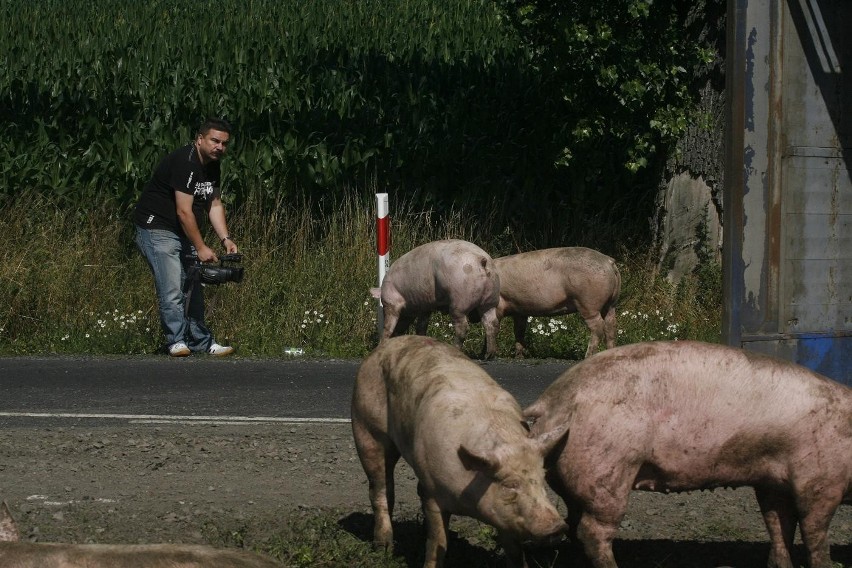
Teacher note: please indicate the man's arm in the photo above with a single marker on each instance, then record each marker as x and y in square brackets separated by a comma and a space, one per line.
[217, 219]
[183, 202]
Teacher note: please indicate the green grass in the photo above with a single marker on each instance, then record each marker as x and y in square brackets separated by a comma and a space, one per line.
[340, 539]
[74, 283]
[333, 538]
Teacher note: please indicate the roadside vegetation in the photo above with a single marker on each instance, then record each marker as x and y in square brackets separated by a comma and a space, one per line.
[493, 124]
[334, 539]
[74, 283]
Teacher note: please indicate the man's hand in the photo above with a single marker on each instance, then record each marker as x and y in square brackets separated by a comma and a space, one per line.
[206, 254]
[230, 246]
[183, 202]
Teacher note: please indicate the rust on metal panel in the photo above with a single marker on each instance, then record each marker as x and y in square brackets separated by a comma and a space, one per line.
[788, 283]
[756, 314]
[732, 227]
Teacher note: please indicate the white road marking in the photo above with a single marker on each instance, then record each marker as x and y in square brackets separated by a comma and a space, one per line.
[168, 419]
[44, 500]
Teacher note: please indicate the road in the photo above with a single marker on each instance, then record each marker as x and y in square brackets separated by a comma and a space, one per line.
[150, 449]
[41, 391]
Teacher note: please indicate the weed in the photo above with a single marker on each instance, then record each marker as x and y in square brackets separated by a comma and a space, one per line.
[80, 286]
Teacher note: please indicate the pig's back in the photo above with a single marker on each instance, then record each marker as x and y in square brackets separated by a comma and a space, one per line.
[431, 273]
[696, 378]
[556, 272]
[436, 254]
[61, 555]
[446, 386]
[699, 414]
[434, 388]
[708, 393]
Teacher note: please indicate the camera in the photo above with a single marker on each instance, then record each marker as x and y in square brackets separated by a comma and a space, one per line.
[215, 275]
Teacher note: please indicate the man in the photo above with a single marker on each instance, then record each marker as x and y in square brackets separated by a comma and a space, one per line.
[169, 218]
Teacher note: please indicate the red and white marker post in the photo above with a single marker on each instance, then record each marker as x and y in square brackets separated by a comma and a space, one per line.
[382, 248]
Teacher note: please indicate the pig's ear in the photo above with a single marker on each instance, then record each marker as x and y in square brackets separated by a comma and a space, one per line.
[376, 292]
[533, 412]
[478, 459]
[544, 436]
[547, 440]
[8, 528]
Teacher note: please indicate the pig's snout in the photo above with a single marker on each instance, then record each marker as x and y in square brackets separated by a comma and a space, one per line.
[553, 537]
[549, 535]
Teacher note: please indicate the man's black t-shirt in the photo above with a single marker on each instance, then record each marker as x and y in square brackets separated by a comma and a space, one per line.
[179, 171]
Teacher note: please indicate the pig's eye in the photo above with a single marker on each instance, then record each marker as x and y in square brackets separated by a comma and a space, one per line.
[511, 484]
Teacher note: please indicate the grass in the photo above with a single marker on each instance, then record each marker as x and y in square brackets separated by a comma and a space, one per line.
[333, 538]
[74, 283]
[338, 539]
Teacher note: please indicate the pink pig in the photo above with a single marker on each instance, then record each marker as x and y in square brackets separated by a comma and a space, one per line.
[453, 276]
[558, 281]
[684, 415]
[17, 554]
[464, 437]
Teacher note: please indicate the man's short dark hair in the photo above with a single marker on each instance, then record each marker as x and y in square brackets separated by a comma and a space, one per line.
[214, 124]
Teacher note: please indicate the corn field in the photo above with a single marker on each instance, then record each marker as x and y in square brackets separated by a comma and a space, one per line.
[553, 116]
[322, 94]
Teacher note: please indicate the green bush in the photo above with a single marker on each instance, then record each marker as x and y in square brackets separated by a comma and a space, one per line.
[552, 122]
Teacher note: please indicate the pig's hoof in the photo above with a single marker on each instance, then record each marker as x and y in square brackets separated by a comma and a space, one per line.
[383, 546]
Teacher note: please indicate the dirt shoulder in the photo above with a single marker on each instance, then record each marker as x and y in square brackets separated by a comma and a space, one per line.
[171, 483]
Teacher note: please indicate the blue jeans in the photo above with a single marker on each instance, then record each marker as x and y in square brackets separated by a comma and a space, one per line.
[166, 253]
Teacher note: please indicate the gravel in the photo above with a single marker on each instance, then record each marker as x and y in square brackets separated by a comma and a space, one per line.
[179, 483]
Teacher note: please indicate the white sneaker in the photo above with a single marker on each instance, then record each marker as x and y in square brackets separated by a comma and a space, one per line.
[220, 350]
[179, 349]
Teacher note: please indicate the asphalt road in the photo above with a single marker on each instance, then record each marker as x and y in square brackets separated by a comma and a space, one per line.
[42, 391]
